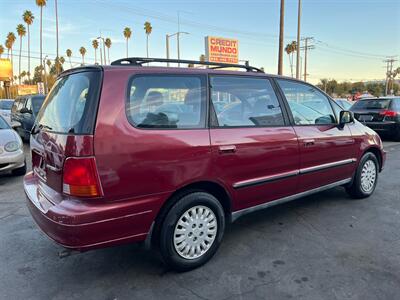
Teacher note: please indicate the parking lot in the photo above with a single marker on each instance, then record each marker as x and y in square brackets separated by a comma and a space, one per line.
[325, 246]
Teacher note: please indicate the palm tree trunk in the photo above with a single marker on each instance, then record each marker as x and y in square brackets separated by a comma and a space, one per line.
[29, 55]
[127, 47]
[83, 59]
[70, 63]
[147, 45]
[41, 22]
[291, 63]
[19, 62]
[95, 56]
[108, 54]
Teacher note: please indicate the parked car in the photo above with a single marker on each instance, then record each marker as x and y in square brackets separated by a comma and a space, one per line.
[110, 167]
[344, 103]
[12, 156]
[380, 114]
[24, 112]
[5, 109]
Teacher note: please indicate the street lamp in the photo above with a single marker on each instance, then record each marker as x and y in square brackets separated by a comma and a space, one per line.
[177, 44]
[104, 50]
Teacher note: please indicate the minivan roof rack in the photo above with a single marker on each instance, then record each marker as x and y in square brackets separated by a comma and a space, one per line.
[139, 61]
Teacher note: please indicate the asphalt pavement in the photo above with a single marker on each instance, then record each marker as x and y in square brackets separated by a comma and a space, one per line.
[326, 246]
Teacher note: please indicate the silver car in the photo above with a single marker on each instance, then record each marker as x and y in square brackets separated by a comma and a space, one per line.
[12, 156]
[5, 109]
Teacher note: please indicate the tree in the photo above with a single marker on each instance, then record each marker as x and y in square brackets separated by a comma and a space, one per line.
[1, 50]
[48, 63]
[11, 40]
[82, 51]
[108, 45]
[21, 31]
[202, 58]
[290, 49]
[62, 60]
[147, 29]
[28, 19]
[8, 46]
[41, 3]
[127, 35]
[95, 44]
[69, 54]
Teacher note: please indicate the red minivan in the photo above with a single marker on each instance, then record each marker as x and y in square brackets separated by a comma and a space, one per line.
[129, 152]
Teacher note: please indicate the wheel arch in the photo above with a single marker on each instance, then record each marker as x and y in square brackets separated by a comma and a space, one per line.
[211, 187]
[377, 152]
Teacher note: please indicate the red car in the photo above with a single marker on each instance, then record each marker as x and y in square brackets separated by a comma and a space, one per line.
[128, 153]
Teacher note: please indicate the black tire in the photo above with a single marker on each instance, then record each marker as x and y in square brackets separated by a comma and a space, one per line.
[19, 171]
[356, 190]
[167, 246]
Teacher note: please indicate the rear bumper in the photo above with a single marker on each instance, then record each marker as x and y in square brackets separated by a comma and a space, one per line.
[87, 224]
[11, 160]
[388, 126]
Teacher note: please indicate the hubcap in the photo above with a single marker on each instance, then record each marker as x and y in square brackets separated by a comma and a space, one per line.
[368, 176]
[195, 232]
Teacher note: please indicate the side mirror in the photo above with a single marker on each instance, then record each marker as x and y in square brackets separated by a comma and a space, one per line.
[346, 117]
[24, 110]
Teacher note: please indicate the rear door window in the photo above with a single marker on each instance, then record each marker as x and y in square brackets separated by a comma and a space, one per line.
[245, 102]
[71, 104]
[167, 101]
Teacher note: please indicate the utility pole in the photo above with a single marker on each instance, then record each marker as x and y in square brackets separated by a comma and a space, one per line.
[167, 47]
[306, 48]
[58, 63]
[298, 41]
[177, 43]
[281, 33]
[389, 73]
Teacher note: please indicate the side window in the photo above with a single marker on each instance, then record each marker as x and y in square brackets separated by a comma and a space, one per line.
[244, 101]
[396, 104]
[159, 101]
[308, 105]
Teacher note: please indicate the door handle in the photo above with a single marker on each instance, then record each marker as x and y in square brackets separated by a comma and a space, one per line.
[227, 149]
[309, 143]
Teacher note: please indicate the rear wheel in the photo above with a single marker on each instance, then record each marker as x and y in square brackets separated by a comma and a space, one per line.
[366, 177]
[192, 231]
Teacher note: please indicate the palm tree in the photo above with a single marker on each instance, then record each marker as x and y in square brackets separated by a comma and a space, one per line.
[48, 63]
[82, 51]
[28, 19]
[290, 49]
[108, 45]
[62, 60]
[22, 75]
[148, 29]
[127, 35]
[1, 50]
[21, 31]
[69, 54]
[95, 44]
[41, 3]
[11, 40]
[8, 46]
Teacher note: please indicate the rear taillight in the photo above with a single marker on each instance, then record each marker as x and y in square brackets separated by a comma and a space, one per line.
[80, 177]
[388, 113]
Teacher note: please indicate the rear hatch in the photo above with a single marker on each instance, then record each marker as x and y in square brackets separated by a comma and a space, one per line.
[371, 110]
[65, 124]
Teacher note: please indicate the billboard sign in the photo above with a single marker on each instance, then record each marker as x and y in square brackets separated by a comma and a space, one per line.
[6, 71]
[222, 50]
[26, 89]
[40, 88]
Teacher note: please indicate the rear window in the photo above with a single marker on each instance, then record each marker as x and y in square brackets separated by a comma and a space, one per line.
[167, 101]
[71, 104]
[372, 104]
[6, 105]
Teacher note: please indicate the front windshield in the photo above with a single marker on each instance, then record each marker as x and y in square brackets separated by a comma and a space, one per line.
[37, 103]
[3, 124]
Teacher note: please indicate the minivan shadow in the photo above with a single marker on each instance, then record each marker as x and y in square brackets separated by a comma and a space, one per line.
[134, 259]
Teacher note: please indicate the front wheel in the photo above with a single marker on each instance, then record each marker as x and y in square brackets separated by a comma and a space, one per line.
[192, 231]
[365, 178]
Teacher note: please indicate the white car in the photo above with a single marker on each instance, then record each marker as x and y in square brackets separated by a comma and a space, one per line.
[12, 157]
[5, 109]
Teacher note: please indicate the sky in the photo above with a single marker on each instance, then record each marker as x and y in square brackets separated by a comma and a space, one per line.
[351, 37]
